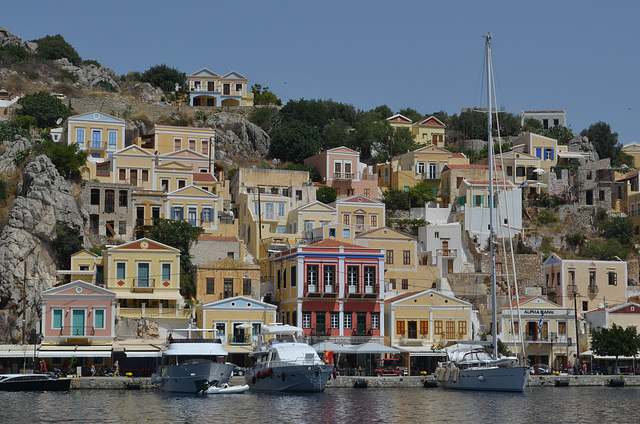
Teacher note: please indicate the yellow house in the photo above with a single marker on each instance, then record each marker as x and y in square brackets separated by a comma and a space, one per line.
[423, 322]
[310, 216]
[429, 131]
[545, 328]
[424, 164]
[97, 133]
[144, 274]
[132, 165]
[543, 148]
[238, 321]
[227, 278]
[633, 150]
[400, 121]
[403, 272]
[361, 212]
[206, 88]
[452, 176]
[196, 206]
[167, 138]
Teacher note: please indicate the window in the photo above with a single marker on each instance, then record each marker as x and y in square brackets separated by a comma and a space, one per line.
[347, 320]
[346, 233]
[332, 232]
[406, 257]
[281, 209]
[211, 285]
[98, 318]
[57, 318]
[424, 327]
[335, 320]
[562, 327]
[306, 320]
[437, 328]
[374, 221]
[509, 171]
[123, 198]
[329, 278]
[520, 171]
[228, 287]
[192, 144]
[367, 192]
[308, 225]
[95, 196]
[192, 215]
[352, 278]
[231, 255]
[80, 137]
[284, 279]
[312, 274]
[420, 168]
[121, 270]
[182, 184]
[405, 284]
[113, 139]
[389, 259]
[294, 276]
[298, 194]
[246, 286]
[369, 278]
[204, 146]
[375, 320]
[164, 184]
[613, 278]
[585, 305]
[166, 272]
[279, 278]
[548, 154]
[122, 227]
[601, 195]
[109, 201]
[400, 328]
[345, 218]
[206, 215]
[436, 235]
[392, 283]
[545, 124]
[145, 175]
[177, 213]
[239, 87]
[462, 328]
[177, 144]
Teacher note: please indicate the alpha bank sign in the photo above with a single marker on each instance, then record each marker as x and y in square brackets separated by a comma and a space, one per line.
[546, 311]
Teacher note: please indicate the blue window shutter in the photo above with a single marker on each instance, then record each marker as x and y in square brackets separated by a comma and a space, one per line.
[551, 153]
[539, 152]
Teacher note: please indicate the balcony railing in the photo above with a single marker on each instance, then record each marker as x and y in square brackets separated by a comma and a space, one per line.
[319, 289]
[453, 253]
[144, 283]
[240, 339]
[153, 312]
[593, 289]
[75, 330]
[343, 175]
[551, 290]
[571, 289]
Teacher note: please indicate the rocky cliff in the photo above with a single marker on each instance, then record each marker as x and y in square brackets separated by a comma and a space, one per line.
[237, 140]
[43, 198]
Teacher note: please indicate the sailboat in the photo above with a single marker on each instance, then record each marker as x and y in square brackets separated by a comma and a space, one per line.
[472, 367]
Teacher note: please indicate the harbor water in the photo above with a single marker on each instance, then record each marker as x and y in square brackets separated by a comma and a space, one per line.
[535, 405]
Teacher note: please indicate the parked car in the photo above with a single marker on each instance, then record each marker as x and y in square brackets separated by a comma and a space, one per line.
[541, 369]
[236, 369]
[389, 366]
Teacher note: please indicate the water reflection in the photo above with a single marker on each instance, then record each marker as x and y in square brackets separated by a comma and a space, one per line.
[561, 405]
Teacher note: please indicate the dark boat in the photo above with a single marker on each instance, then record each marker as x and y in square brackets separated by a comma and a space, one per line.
[33, 383]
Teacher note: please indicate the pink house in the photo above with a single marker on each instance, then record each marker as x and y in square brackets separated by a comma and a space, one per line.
[341, 169]
[78, 313]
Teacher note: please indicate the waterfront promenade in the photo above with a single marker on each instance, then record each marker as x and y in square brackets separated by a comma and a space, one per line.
[343, 382]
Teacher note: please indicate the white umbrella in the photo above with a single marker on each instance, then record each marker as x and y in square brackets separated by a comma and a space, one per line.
[245, 326]
[539, 170]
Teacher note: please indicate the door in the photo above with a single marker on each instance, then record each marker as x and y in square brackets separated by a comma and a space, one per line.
[133, 177]
[143, 275]
[226, 89]
[445, 247]
[77, 322]
[361, 323]
[238, 333]
[320, 322]
[140, 216]
[412, 329]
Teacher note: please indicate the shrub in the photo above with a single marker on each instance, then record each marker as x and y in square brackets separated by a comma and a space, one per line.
[396, 200]
[200, 115]
[326, 194]
[8, 131]
[67, 75]
[16, 53]
[92, 62]
[546, 217]
[164, 77]
[45, 108]
[313, 172]
[55, 47]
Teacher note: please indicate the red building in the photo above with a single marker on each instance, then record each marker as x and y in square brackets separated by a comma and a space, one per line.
[332, 289]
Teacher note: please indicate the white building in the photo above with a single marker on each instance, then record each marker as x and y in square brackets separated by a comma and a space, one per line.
[441, 245]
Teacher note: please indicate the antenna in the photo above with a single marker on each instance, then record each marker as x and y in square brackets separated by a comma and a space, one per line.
[58, 121]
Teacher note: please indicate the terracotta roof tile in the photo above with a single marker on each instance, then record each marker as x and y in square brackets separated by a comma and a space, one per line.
[515, 302]
[206, 237]
[400, 296]
[333, 243]
[201, 176]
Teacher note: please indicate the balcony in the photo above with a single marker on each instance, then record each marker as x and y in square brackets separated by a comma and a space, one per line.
[143, 285]
[240, 339]
[144, 312]
[362, 291]
[452, 253]
[551, 290]
[77, 331]
[593, 288]
[320, 290]
[546, 338]
[343, 175]
[571, 289]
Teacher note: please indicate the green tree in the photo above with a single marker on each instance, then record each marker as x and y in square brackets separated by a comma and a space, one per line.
[618, 228]
[262, 96]
[411, 113]
[14, 53]
[606, 143]
[326, 194]
[533, 125]
[164, 77]
[380, 113]
[560, 133]
[295, 141]
[66, 242]
[314, 175]
[68, 159]
[615, 341]
[45, 108]
[421, 193]
[396, 200]
[335, 134]
[55, 47]
[8, 131]
[266, 118]
[369, 136]
[180, 235]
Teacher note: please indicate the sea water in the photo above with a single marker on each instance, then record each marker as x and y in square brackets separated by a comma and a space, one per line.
[535, 405]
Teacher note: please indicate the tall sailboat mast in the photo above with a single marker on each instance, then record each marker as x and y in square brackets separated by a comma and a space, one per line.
[494, 312]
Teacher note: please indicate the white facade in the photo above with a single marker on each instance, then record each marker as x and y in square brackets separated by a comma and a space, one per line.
[548, 118]
[441, 245]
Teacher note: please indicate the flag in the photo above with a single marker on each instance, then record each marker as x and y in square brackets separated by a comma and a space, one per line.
[524, 184]
[540, 323]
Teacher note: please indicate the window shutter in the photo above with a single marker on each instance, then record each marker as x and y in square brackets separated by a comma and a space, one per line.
[539, 152]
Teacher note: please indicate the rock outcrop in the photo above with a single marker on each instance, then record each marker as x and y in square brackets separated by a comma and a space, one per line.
[8, 39]
[43, 199]
[238, 138]
[88, 76]
[7, 158]
[582, 144]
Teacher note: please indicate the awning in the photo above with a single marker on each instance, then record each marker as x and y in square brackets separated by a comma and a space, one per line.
[333, 347]
[238, 348]
[573, 155]
[143, 354]
[74, 351]
[591, 353]
[421, 351]
[372, 347]
[16, 351]
[150, 296]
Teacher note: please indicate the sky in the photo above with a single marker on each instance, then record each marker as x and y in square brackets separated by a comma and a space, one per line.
[579, 56]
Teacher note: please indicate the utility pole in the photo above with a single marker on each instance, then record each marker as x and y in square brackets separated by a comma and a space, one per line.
[575, 316]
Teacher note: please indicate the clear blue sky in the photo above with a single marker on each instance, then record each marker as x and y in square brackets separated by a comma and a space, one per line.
[579, 56]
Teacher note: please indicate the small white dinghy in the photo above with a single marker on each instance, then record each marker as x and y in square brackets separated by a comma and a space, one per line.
[225, 389]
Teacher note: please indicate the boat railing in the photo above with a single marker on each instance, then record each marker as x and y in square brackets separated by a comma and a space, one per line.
[304, 360]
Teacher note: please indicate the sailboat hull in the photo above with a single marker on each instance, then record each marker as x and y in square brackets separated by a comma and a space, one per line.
[498, 379]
